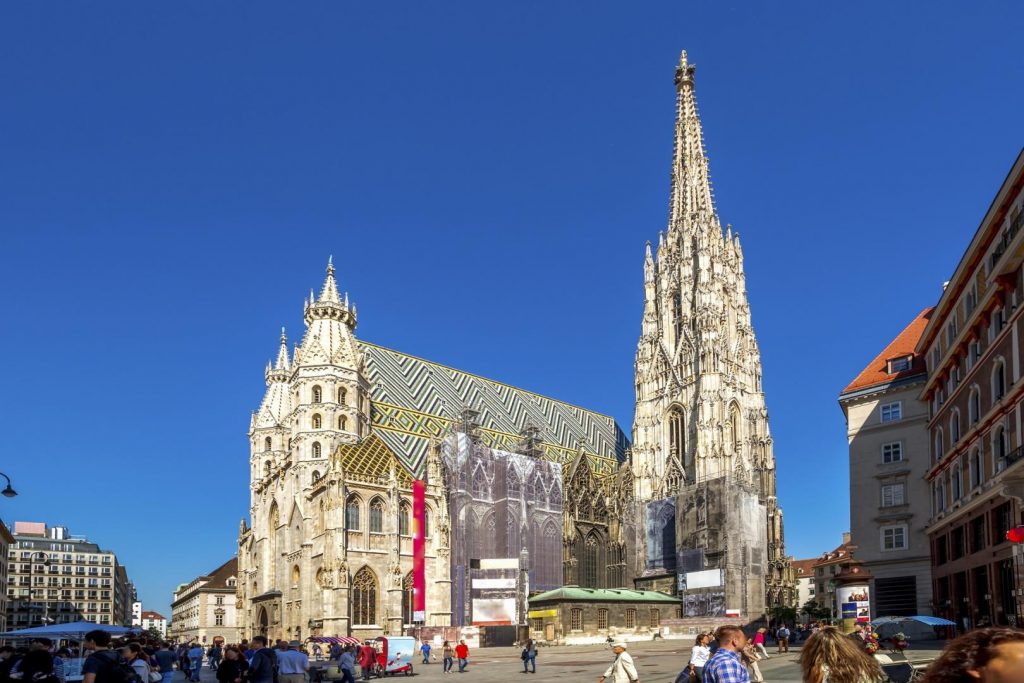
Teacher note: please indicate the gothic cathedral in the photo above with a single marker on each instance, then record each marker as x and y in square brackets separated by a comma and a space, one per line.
[689, 507]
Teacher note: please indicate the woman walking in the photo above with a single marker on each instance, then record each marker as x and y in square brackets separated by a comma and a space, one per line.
[759, 642]
[829, 656]
[233, 667]
[137, 659]
[699, 657]
[448, 655]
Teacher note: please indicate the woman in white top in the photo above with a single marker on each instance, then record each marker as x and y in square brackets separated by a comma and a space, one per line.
[134, 655]
[699, 656]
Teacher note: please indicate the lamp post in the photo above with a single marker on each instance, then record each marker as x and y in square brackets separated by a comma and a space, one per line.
[8, 491]
[31, 587]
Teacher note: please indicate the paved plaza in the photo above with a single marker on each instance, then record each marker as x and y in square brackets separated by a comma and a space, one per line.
[657, 662]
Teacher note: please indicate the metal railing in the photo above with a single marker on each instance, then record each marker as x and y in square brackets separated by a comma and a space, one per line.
[1004, 242]
[1011, 457]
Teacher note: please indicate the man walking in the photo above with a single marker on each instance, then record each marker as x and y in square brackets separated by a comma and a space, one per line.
[99, 666]
[347, 664]
[622, 670]
[462, 654]
[726, 666]
[165, 659]
[264, 662]
[425, 649]
[783, 637]
[530, 656]
[195, 661]
[293, 664]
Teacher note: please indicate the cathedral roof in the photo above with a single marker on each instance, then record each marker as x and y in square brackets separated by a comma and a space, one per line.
[881, 371]
[372, 460]
[415, 400]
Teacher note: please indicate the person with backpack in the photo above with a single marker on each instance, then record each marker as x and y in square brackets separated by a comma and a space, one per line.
[263, 668]
[529, 656]
[104, 665]
[137, 659]
[783, 638]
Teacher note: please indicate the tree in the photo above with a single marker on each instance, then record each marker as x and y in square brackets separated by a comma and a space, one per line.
[154, 633]
[783, 614]
[815, 611]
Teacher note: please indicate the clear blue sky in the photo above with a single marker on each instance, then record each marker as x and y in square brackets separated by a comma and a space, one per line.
[173, 178]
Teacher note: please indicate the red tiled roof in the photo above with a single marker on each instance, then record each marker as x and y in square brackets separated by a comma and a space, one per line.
[219, 576]
[877, 371]
[153, 615]
[841, 554]
[804, 567]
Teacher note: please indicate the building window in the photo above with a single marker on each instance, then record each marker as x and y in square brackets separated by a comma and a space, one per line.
[954, 427]
[316, 449]
[956, 483]
[364, 597]
[655, 618]
[602, 619]
[426, 522]
[591, 561]
[891, 412]
[352, 514]
[951, 332]
[576, 619]
[218, 619]
[893, 494]
[939, 446]
[318, 393]
[342, 423]
[974, 406]
[899, 364]
[377, 516]
[999, 448]
[630, 618]
[676, 434]
[220, 599]
[267, 444]
[408, 600]
[404, 513]
[892, 452]
[998, 380]
[315, 477]
[341, 396]
[974, 465]
[317, 421]
[894, 537]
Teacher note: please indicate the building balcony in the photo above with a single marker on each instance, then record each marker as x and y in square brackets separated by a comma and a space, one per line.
[1008, 253]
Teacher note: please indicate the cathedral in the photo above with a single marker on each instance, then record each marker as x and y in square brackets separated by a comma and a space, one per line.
[687, 506]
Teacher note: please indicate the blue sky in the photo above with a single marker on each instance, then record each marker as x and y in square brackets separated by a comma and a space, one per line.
[173, 178]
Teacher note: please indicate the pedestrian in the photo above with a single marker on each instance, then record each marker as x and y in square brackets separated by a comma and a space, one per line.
[530, 656]
[622, 669]
[984, 655]
[138, 660]
[165, 659]
[37, 663]
[195, 661]
[783, 636]
[263, 666]
[759, 642]
[214, 656]
[447, 656]
[347, 665]
[337, 650]
[293, 664]
[62, 655]
[750, 657]
[367, 660]
[699, 656]
[462, 652]
[425, 649]
[317, 652]
[725, 665]
[828, 656]
[233, 667]
[98, 667]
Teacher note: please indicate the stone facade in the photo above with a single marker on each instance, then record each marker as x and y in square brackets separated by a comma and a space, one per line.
[700, 432]
[887, 429]
[975, 398]
[581, 615]
[203, 610]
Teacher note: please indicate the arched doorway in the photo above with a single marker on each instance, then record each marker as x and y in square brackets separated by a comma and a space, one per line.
[262, 622]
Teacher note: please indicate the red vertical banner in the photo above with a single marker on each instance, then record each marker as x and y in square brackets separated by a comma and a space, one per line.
[419, 581]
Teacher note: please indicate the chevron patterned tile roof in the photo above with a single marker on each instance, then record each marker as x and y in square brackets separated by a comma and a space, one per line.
[414, 400]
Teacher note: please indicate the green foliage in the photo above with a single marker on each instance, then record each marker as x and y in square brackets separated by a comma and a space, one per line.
[783, 613]
[154, 633]
[815, 611]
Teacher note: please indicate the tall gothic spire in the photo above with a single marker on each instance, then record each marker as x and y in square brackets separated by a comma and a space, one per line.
[691, 204]
[330, 304]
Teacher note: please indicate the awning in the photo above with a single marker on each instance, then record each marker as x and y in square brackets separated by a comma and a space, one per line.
[342, 640]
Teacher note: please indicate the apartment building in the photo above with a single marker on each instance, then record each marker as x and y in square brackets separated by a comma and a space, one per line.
[6, 540]
[974, 392]
[203, 609]
[806, 588]
[825, 570]
[890, 501]
[56, 578]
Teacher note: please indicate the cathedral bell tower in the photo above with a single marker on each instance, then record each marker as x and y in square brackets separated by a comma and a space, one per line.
[700, 434]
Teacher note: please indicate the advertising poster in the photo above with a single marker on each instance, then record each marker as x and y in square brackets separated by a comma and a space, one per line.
[419, 582]
[853, 600]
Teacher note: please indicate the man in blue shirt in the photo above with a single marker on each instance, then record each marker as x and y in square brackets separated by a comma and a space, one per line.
[725, 666]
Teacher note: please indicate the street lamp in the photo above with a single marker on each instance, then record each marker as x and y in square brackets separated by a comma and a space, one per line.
[9, 491]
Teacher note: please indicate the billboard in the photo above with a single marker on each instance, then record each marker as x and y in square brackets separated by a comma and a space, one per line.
[708, 578]
[419, 583]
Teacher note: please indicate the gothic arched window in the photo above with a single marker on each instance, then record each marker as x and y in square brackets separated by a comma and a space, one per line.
[590, 562]
[317, 421]
[364, 597]
[735, 435]
[318, 393]
[377, 516]
[316, 449]
[267, 444]
[513, 483]
[315, 477]
[479, 483]
[408, 599]
[342, 423]
[352, 514]
[341, 396]
[427, 522]
[274, 521]
[555, 497]
[676, 434]
[404, 514]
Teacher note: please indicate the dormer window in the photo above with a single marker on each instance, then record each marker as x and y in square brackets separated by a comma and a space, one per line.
[900, 364]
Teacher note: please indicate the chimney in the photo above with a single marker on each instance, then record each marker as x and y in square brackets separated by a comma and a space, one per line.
[846, 537]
